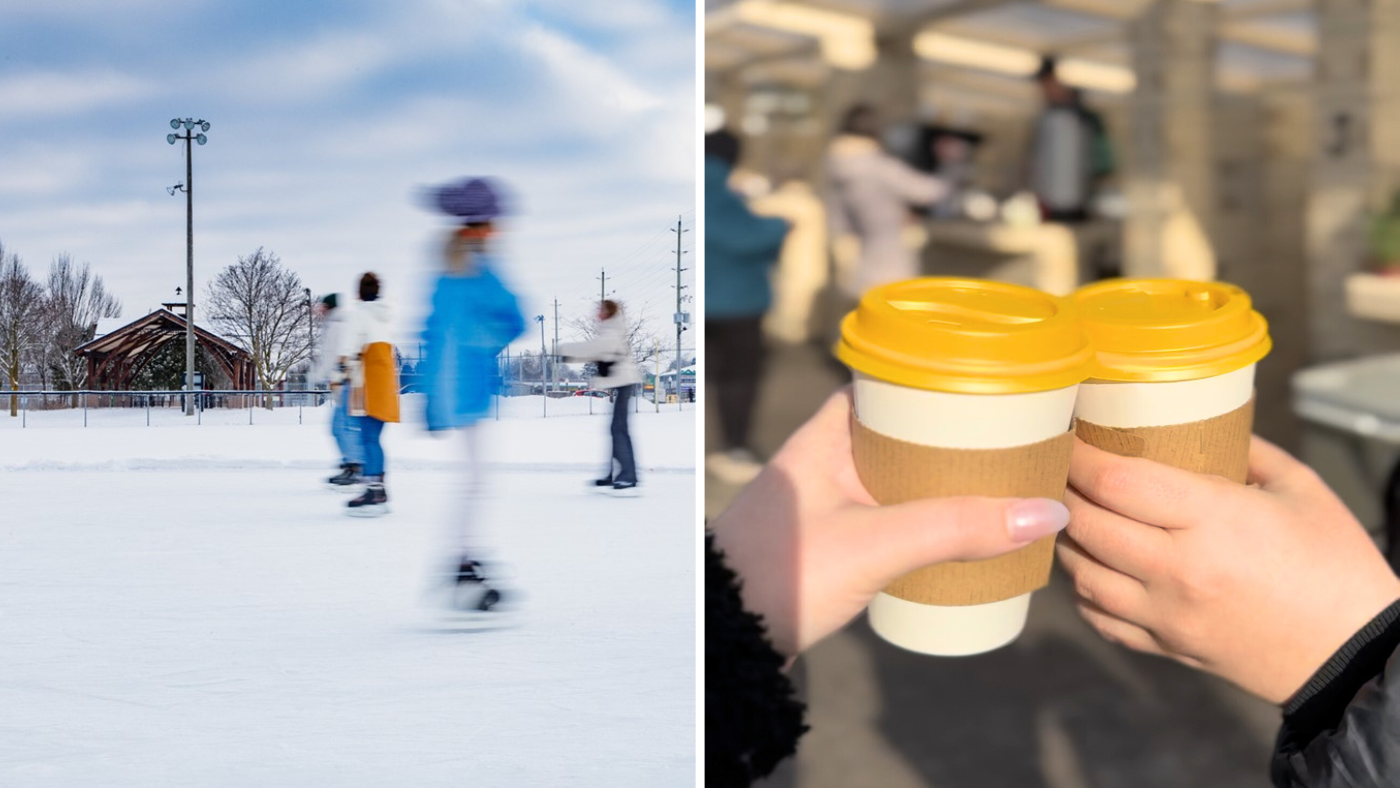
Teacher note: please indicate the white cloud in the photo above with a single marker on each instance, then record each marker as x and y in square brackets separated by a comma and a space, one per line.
[46, 93]
[305, 70]
[592, 81]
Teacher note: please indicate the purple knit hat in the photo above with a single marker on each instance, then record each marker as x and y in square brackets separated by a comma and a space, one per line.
[472, 199]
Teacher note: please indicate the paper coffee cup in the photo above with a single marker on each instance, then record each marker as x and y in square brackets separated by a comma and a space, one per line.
[963, 387]
[1173, 377]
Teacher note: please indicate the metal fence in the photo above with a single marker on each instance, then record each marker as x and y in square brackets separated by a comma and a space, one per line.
[224, 401]
[221, 400]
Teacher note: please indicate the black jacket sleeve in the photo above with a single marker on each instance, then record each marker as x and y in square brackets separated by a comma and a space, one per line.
[1342, 729]
[752, 719]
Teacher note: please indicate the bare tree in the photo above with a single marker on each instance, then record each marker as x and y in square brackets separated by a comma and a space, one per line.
[21, 321]
[261, 306]
[75, 299]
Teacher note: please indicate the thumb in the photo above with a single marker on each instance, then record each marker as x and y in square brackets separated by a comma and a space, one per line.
[898, 539]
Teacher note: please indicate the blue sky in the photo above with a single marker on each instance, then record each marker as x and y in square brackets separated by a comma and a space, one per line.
[328, 118]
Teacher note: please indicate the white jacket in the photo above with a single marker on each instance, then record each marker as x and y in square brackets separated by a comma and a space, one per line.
[609, 346]
[870, 194]
[367, 323]
[326, 368]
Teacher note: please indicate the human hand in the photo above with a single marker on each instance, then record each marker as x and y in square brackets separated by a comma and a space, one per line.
[812, 548]
[1259, 585]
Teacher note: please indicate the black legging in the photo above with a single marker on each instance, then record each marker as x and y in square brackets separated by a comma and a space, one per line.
[736, 349]
[624, 464]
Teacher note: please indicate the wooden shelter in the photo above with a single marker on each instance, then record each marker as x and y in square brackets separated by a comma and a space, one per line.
[114, 359]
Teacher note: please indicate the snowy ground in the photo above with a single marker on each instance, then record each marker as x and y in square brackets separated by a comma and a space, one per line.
[267, 639]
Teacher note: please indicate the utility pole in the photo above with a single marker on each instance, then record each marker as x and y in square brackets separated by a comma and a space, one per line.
[544, 381]
[656, 381]
[190, 139]
[554, 359]
[682, 317]
[602, 285]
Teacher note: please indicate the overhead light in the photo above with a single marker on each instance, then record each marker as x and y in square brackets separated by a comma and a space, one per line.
[847, 41]
[1094, 75]
[1021, 62]
[174, 123]
[959, 51]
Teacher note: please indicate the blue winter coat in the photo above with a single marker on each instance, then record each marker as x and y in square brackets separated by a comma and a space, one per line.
[473, 318]
[739, 249]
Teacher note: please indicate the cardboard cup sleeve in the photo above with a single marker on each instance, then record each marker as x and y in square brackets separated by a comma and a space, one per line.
[1218, 445]
[895, 471]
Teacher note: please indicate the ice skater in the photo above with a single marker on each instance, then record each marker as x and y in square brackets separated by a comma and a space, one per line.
[374, 391]
[611, 352]
[473, 317]
[330, 370]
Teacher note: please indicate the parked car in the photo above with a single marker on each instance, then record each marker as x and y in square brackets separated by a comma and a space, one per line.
[593, 393]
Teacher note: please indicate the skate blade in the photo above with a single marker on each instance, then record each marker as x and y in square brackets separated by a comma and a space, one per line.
[368, 511]
[345, 488]
[630, 492]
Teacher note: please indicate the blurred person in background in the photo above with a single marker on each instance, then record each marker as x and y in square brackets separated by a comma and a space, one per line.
[741, 249]
[473, 317]
[611, 352]
[329, 370]
[374, 390]
[871, 194]
[1070, 150]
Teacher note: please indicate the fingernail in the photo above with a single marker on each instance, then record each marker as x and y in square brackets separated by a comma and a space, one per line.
[1033, 518]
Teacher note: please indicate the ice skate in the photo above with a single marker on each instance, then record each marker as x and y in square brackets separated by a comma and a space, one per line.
[473, 598]
[348, 478]
[622, 489]
[373, 502]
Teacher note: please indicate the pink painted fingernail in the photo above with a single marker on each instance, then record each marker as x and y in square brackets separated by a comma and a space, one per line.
[1033, 518]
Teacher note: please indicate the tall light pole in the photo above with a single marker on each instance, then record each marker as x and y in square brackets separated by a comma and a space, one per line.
[190, 138]
[310, 336]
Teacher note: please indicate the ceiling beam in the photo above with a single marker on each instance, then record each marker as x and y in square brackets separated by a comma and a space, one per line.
[1121, 10]
[805, 49]
[1269, 38]
[946, 12]
[1267, 8]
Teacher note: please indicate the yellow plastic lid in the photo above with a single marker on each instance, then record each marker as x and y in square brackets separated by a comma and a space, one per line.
[1170, 329]
[966, 335]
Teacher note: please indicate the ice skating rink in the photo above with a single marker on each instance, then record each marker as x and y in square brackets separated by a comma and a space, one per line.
[188, 606]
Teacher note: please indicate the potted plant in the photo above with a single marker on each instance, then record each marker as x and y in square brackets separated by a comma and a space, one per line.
[1384, 237]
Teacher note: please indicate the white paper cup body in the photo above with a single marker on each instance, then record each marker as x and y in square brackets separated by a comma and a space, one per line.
[957, 421]
[1110, 404]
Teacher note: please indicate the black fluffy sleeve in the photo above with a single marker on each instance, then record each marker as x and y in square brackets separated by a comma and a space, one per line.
[752, 719]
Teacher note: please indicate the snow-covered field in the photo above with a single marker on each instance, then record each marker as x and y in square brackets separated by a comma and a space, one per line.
[187, 606]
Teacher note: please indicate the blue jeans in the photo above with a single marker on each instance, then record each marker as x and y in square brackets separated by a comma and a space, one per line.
[624, 463]
[346, 429]
[370, 430]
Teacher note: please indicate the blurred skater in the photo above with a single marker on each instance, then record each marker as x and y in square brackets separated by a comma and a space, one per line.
[472, 319]
[374, 391]
[329, 370]
[611, 352]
